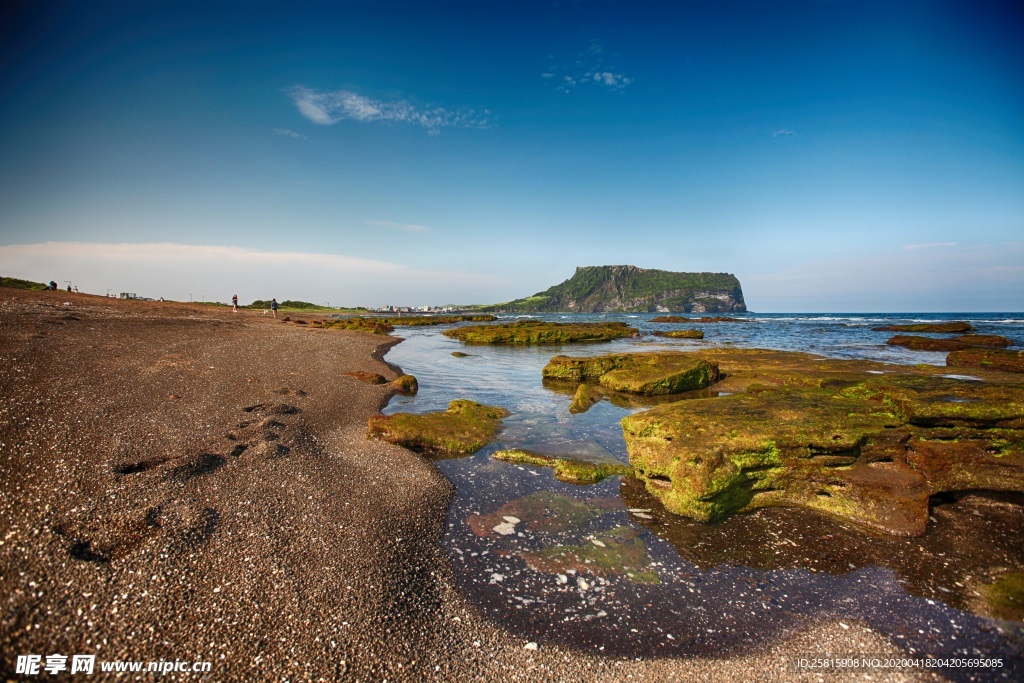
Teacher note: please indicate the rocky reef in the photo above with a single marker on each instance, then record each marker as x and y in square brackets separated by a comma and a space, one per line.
[993, 359]
[539, 332]
[648, 374]
[568, 468]
[628, 289]
[954, 327]
[464, 428]
[702, 319]
[421, 320]
[965, 341]
[680, 334]
[371, 325]
[858, 440]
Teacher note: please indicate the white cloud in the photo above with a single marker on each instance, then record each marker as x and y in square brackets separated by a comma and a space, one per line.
[588, 67]
[782, 132]
[289, 134]
[327, 108]
[175, 271]
[404, 227]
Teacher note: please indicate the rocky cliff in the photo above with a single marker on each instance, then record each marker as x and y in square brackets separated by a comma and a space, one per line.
[607, 289]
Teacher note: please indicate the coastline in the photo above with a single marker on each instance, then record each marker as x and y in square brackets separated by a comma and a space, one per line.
[133, 532]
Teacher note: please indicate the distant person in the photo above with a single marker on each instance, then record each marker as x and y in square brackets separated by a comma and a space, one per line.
[53, 286]
[69, 289]
[234, 304]
[273, 306]
[76, 289]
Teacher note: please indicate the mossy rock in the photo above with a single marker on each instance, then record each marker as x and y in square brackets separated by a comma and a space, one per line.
[680, 334]
[1004, 597]
[421, 320]
[567, 468]
[820, 435]
[955, 327]
[586, 396]
[464, 428]
[648, 374]
[991, 359]
[460, 354]
[371, 325]
[538, 332]
[406, 385]
[965, 341]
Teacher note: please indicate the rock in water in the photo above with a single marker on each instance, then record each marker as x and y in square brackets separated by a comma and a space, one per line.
[955, 327]
[964, 341]
[992, 359]
[870, 451]
[680, 334]
[586, 395]
[539, 332]
[464, 428]
[650, 374]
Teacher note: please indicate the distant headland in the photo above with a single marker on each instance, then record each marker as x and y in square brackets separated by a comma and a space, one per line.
[628, 289]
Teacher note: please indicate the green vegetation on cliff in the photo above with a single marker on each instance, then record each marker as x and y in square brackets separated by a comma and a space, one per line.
[14, 282]
[602, 289]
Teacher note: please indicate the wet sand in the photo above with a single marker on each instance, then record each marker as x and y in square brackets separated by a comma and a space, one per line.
[184, 483]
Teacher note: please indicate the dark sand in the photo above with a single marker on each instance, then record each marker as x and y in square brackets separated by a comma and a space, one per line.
[134, 525]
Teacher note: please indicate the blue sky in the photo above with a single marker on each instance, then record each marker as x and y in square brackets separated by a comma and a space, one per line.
[835, 156]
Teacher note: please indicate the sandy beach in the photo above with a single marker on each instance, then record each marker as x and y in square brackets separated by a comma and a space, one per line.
[182, 483]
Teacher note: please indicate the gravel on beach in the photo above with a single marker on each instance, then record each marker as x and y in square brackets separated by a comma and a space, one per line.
[181, 482]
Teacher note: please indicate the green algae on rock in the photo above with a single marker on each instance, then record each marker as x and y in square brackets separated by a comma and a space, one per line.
[1004, 597]
[680, 334]
[618, 551]
[868, 450]
[992, 359]
[650, 374]
[371, 325]
[954, 327]
[539, 332]
[964, 341]
[459, 354]
[406, 385]
[568, 468]
[464, 428]
[586, 395]
[421, 320]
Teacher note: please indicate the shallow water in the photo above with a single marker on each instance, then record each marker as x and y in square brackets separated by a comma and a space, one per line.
[605, 567]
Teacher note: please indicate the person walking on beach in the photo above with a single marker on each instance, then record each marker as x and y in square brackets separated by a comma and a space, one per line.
[273, 306]
[234, 304]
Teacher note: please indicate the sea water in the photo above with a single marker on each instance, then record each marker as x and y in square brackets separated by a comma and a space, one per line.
[604, 567]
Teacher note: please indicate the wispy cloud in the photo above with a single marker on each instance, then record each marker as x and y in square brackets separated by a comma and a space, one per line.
[329, 107]
[929, 245]
[590, 67]
[782, 132]
[215, 272]
[403, 227]
[289, 134]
